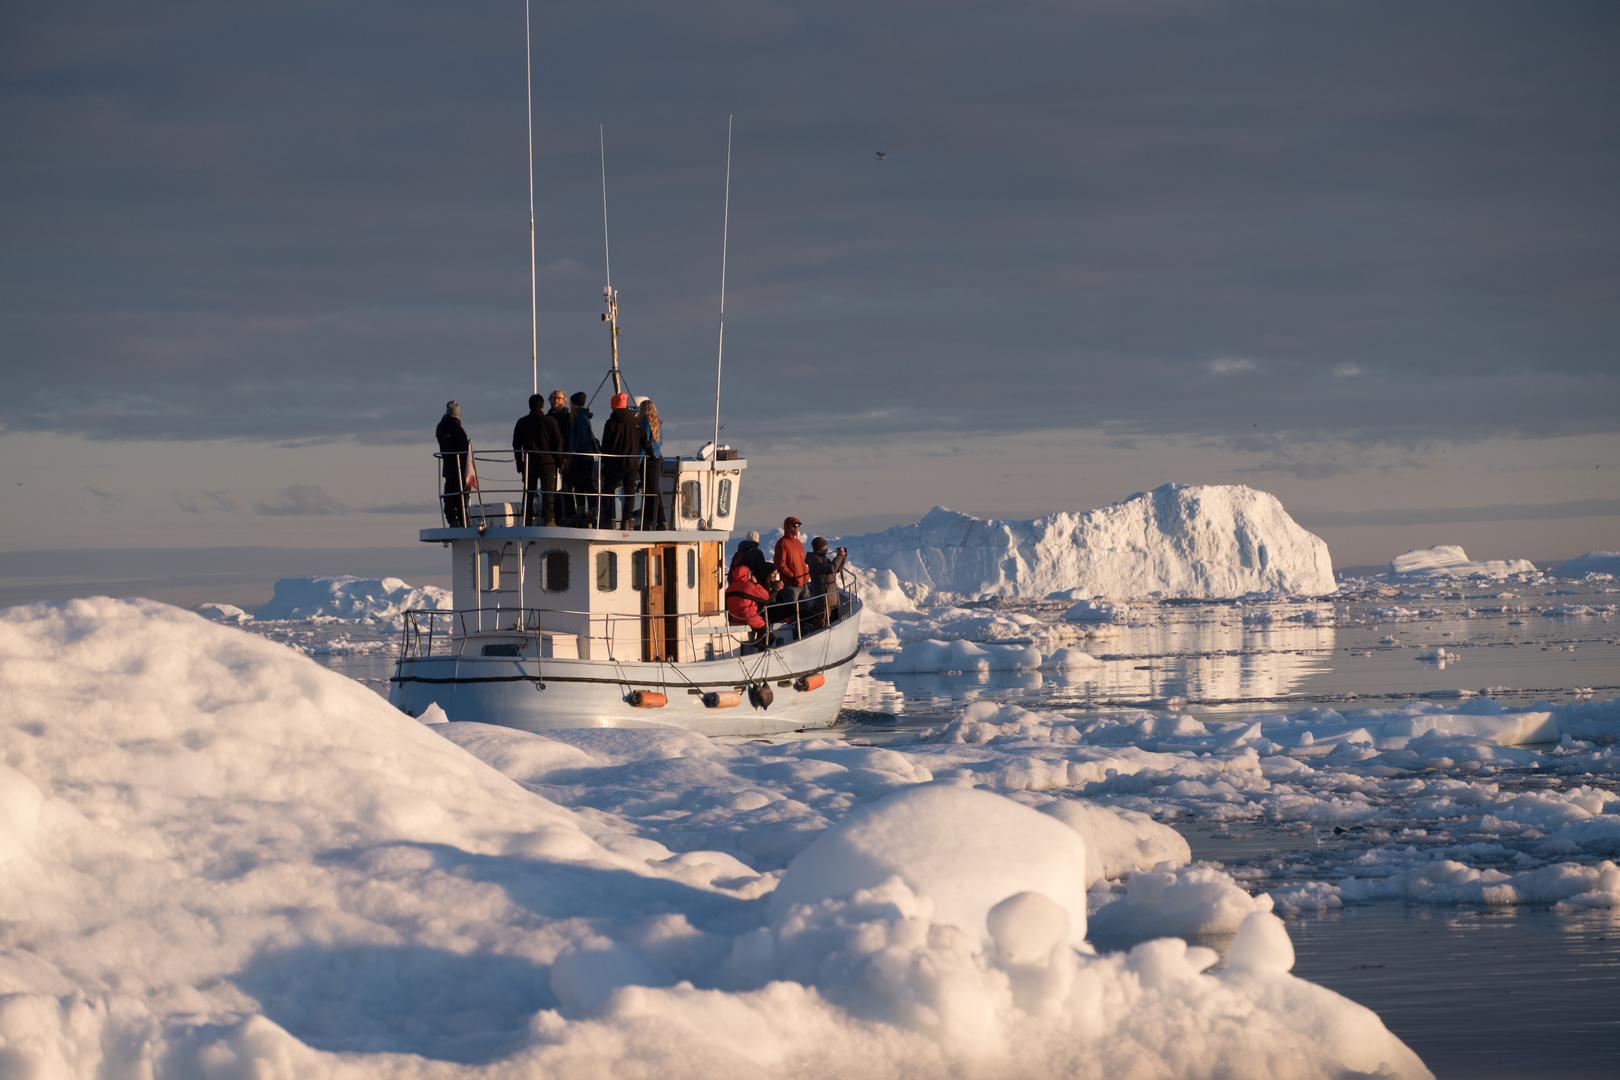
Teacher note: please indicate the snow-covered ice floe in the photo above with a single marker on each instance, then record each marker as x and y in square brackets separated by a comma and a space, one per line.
[1176, 540]
[219, 859]
[1451, 561]
[349, 598]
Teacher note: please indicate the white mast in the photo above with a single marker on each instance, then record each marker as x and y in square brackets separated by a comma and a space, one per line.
[534, 295]
[611, 315]
[720, 357]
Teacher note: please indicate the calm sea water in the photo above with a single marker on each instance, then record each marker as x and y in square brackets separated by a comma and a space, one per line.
[1500, 993]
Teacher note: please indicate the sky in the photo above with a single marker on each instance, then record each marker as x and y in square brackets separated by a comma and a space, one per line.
[1364, 255]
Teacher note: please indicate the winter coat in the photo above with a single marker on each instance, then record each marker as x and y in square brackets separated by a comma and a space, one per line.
[565, 426]
[581, 440]
[744, 596]
[749, 555]
[824, 572]
[536, 434]
[655, 447]
[452, 440]
[790, 560]
[622, 437]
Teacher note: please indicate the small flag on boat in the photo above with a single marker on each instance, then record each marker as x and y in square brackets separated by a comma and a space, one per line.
[470, 481]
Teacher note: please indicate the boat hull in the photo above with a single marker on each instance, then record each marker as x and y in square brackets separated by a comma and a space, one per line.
[552, 694]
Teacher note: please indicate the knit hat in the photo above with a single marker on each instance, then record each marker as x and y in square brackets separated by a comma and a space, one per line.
[753, 535]
[453, 408]
[819, 544]
[621, 401]
[578, 399]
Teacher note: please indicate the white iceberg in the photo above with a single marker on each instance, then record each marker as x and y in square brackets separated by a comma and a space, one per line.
[1593, 562]
[1451, 561]
[1176, 540]
[349, 598]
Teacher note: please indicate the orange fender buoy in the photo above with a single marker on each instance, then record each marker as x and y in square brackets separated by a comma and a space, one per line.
[810, 682]
[722, 699]
[648, 699]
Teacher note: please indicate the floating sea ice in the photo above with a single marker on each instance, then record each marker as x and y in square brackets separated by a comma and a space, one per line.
[1193, 901]
[223, 613]
[1072, 659]
[1097, 611]
[1120, 841]
[925, 657]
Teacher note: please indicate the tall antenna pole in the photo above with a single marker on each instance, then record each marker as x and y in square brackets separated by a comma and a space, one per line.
[719, 360]
[611, 316]
[534, 294]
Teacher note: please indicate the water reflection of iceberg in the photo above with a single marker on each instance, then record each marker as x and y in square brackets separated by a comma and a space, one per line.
[1181, 656]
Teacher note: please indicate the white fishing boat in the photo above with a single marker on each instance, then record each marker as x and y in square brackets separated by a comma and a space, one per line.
[574, 625]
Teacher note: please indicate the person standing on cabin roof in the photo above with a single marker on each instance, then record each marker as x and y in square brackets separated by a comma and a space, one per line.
[582, 461]
[795, 572]
[453, 447]
[622, 448]
[565, 421]
[535, 439]
[652, 468]
[824, 581]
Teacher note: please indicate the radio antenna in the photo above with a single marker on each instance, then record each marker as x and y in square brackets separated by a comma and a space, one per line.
[534, 294]
[720, 357]
[611, 315]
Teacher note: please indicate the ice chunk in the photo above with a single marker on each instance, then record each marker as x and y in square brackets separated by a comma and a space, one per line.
[1451, 561]
[1027, 926]
[1593, 562]
[1261, 945]
[1119, 841]
[960, 849]
[223, 613]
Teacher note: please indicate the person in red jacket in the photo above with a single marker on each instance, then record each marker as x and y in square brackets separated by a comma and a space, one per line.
[794, 572]
[745, 600]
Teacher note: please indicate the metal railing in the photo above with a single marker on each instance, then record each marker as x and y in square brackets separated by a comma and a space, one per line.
[431, 632]
[578, 497]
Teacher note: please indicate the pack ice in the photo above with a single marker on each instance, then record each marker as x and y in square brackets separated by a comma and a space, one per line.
[220, 859]
[1176, 540]
[1451, 561]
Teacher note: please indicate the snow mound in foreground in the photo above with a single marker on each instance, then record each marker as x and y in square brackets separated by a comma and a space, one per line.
[218, 858]
[1176, 540]
[1451, 561]
[345, 597]
[1593, 562]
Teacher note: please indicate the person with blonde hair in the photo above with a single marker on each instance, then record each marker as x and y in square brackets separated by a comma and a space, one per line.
[652, 468]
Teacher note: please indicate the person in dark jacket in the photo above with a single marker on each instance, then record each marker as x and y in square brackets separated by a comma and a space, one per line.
[535, 439]
[583, 473]
[622, 448]
[795, 573]
[564, 420]
[824, 571]
[453, 449]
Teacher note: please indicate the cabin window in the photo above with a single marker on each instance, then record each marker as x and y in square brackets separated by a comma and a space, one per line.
[691, 568]
[691, 500]
[555, 571]
[489, 571]
[607, 571]
[504, 648]
[638, 569]
[722, 507]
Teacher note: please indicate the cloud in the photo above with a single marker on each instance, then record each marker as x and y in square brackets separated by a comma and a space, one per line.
[186, 504]
[301, 500]
[220, 500]
[1346, 371]
[110, 503]
[1232, 366]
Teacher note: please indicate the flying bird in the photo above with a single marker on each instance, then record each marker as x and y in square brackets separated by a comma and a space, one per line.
[881, 155]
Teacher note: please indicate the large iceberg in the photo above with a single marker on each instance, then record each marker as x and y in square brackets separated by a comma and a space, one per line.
[1451, 561]
[1176, 540]
[1593, 562]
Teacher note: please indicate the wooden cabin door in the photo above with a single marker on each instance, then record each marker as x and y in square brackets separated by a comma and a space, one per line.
[711, 574]
[658, 637]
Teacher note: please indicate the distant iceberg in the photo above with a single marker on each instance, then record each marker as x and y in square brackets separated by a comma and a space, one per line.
[1178, 540]
[349, 598]
[1593, 562]
[1451, 561]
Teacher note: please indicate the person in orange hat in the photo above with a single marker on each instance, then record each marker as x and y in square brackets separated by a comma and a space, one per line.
[623, 445]
[794, 572]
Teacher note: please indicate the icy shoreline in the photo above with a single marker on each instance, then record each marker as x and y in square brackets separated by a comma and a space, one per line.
[219, 857]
